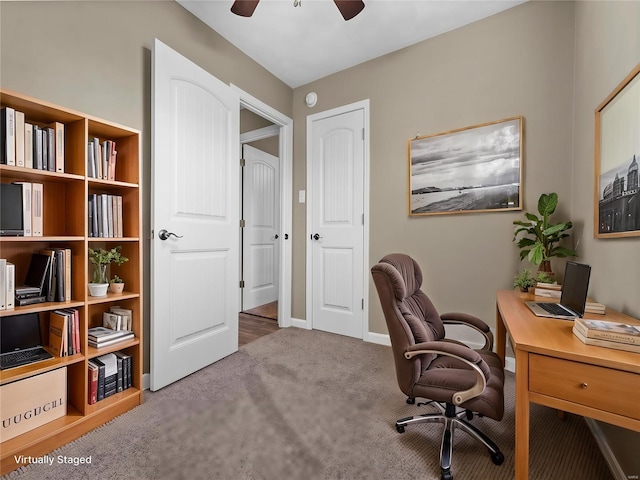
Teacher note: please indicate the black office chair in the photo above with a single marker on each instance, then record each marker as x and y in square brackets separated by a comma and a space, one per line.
[458, 380]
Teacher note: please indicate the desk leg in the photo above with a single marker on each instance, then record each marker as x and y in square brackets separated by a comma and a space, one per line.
[501, 336]
[522, 415]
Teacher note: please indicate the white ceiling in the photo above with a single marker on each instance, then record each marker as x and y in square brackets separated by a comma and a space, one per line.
[302, 44]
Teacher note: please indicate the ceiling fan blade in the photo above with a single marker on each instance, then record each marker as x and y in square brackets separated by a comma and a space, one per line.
[244, 8]
[349, 8]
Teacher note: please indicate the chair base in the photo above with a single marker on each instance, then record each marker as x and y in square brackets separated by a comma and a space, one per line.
[452, 420]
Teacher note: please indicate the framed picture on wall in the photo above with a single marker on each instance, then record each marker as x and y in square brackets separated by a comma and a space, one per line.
[617, 154]
[472, 169]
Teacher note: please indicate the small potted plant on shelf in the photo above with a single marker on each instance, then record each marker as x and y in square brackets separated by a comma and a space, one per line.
[540, 241]
[116, 285]
[101, 258]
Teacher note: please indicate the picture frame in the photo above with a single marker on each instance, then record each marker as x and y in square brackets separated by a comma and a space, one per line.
[471, 169]
[617, 155]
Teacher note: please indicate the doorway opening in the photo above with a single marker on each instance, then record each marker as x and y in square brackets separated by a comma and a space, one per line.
[265, 267]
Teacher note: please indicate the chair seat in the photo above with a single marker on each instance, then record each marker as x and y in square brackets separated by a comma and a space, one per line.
[446, 376]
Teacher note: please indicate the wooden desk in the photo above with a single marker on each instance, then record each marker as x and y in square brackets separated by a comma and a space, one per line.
[554, 368]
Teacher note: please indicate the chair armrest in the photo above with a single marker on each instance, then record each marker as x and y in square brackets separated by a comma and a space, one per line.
[454, 318]
[464, 354]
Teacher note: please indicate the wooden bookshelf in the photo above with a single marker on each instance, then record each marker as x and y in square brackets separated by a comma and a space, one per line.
[65, 225]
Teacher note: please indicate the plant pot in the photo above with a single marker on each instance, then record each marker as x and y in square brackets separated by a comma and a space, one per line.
[98, 289]
[116, 287]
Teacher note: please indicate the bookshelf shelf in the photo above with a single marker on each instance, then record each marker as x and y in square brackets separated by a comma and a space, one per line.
[65, 225]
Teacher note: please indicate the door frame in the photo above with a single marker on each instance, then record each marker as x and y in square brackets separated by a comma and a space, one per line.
[364, 106]
[285, 125]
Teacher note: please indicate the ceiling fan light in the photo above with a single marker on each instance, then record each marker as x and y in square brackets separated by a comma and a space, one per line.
[349, 8]
[244, 8]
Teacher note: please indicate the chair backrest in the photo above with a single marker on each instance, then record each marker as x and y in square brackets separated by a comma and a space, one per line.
[411, 317]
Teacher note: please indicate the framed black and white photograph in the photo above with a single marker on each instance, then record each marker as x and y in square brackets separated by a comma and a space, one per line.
[617, 154]
[472, 169]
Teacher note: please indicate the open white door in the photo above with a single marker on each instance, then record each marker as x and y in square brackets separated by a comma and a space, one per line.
[195, 183]
[335, 281]
[261, 232]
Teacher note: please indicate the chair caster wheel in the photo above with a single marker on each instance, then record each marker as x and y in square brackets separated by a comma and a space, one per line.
[400, 428]
[411, 401]
[446, 475]
[497, 458]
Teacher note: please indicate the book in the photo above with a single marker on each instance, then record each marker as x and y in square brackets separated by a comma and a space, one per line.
[19, 126]
[21, 302]
[37, 147]
[26, 207]
[549, 286]
[58, 147]
[37, 193]
[112, 321]
[543, 292]
[114, 341]
[7, 136]
[50, 283]
[125, 314]
[103, 334]
[101, 373]
[93, 371]
[91, 163]
[599, 342]
[58, 336]
[593, 307]
[28, 145]
[10, 284]
[607, 330]
[67, 275]
[126, 369]
[110, 362]
[3, 283]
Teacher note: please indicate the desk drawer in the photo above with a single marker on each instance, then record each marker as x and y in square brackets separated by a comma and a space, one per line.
[597, 387]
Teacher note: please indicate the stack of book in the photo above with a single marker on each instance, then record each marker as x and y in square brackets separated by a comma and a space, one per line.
[549, 290]
[103, 337]
[594, 307]
[24, 144]
[619, 336]
[109, 374]
[64, 332]
[117, 318]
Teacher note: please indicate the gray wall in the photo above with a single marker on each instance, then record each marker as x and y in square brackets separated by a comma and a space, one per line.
[607, 39]
[95, 57]
[519, 62]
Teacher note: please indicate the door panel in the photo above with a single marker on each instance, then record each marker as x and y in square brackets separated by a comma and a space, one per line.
[337, 208]
[194, 273]
[261, 213]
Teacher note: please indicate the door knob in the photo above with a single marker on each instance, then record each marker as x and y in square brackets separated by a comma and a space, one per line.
[316, 236]
[164, 235]
[276, 237]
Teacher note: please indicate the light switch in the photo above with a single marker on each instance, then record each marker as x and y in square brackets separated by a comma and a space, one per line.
[302, 196]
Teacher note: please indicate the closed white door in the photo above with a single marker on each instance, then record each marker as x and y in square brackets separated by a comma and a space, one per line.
[336, 239]
[195, 208]
[261, 232]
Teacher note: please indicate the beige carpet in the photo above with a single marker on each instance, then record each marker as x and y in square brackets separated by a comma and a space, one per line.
[301, 404]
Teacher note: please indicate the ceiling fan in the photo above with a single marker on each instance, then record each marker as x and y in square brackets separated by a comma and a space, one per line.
[348, 8]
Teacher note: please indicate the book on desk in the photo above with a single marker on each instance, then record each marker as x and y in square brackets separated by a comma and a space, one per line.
[602, 333]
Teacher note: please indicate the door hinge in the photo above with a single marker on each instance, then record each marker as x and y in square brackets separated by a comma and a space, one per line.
[242, 162]
[241, 283]
[363, 219]
[242, 223]
[363, 304]
[363, 133]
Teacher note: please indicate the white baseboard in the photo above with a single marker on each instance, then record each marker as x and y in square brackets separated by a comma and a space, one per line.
[299, 323]
[146, 381]
[378, 338]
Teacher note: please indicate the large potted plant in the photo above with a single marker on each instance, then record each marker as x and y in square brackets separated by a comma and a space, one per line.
[540, 240]
[101, 258]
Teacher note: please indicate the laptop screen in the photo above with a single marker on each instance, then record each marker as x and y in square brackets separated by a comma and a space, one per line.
[19, 332]
[576, 284]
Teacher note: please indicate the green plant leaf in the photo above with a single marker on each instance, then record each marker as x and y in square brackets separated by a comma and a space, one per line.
[536, 255]
[547, 203]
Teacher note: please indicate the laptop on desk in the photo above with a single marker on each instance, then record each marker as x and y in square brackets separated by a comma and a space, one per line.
[574, 295]
[20, 341]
